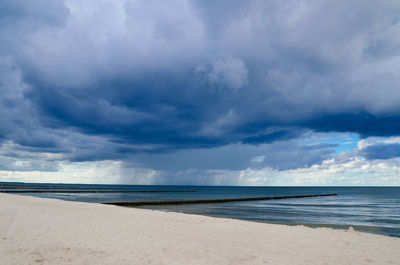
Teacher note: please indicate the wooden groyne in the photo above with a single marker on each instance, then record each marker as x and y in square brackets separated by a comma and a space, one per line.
[178, 202]
[91, 191]
[39, 187]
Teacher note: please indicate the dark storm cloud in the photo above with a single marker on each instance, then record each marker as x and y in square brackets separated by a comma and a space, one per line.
[381, 151]
[272, 137]
[105, 79]
[363, 123]
[279, 155]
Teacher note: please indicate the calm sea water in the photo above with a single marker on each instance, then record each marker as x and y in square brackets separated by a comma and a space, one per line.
[367, 209]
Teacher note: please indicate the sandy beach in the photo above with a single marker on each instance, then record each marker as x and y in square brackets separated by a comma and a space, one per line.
[48, 231]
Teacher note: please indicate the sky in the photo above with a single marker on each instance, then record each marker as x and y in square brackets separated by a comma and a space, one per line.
[296, 92]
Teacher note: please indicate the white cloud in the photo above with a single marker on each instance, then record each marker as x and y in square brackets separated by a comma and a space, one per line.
[354, 171]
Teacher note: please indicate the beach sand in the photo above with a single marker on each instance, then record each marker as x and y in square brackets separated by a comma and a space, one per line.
[49, 231]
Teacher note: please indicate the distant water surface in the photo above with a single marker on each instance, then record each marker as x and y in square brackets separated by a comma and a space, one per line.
[367, 209]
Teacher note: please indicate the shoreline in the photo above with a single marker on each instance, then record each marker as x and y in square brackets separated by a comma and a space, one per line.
[50, 231]
[356, 228]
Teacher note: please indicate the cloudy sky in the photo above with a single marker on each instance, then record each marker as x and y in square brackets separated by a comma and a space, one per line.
[295, 92]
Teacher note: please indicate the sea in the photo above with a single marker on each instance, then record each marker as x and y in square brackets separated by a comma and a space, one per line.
[367, 209]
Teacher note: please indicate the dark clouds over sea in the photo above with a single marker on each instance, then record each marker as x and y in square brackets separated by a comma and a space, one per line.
[142, 80]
